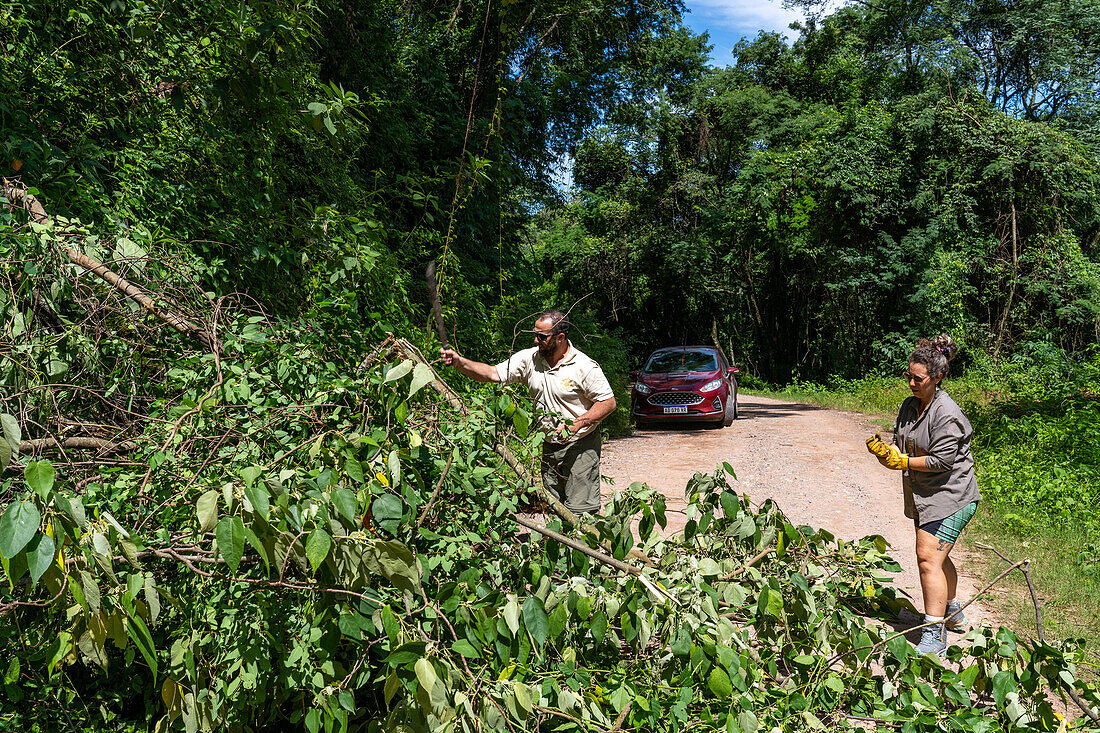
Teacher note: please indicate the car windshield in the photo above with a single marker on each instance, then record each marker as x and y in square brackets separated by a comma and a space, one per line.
[664, 362]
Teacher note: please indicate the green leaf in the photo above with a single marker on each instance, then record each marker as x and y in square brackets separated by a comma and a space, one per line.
[40, 478]
[91, 591]
[899, 648]
[206, 509]
[422, 375]
[354, 470]
[230, 535]
[258, 546]
[559, 618]
[152, 598]
[257, 496]
[389, 624]
[317, 547]
[41, 554]
[250, 474]
[143, 640]
[393, 463]
[5, 454]
[620, 698]
[511, 615]
[73, 509]
[523, 696]
[387, 511]
[12, 433]
[12, 675]
[748, 722]
[425, 674]
[599, 626]
[394, 562]
[398, 371]
[345, 503]
[719, 683]
[681, 646]
[1004, 682]
[466, 649]
[536, 620]
[522, 421]
[771, 602]
[17, 527]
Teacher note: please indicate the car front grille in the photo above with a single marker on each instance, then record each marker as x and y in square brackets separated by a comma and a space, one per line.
[675, 398]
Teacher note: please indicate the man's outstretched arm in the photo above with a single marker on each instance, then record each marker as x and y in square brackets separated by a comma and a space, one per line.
[475, 370]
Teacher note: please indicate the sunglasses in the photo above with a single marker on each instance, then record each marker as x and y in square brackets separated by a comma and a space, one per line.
[910, 377]
[540, 337]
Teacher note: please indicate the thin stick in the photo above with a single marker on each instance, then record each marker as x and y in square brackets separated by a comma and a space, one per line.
[435, 494]
[1085, 707]
[977, 595]
[752, 561]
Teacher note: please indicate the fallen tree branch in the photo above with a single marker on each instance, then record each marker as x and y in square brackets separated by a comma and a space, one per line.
[135, 293]
[18, 197]
[575, 545]
[104, 446]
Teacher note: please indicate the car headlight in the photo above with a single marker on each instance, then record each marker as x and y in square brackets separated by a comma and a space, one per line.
[642, 388]
[711, 385]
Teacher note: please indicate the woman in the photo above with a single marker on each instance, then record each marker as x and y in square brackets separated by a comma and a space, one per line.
[932, 449]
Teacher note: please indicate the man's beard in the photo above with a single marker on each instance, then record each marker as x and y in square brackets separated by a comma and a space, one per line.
[546, 350]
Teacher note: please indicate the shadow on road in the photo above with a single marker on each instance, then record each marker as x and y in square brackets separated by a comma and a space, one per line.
[782, 409]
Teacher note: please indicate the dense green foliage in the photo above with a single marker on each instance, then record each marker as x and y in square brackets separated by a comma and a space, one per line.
[269, 557]
[203, 484]
[824, 204]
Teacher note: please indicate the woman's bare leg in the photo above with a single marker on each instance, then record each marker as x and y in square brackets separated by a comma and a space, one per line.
[938, 578]
[952, 576]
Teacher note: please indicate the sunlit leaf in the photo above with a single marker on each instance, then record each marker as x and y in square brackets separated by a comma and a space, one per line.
[17, 527]
[230, 536]
[317, 547]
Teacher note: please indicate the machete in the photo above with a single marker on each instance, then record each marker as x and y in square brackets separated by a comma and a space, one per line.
[437, 309]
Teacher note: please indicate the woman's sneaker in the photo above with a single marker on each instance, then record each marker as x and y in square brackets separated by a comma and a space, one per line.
[955, 620]
[933, 640]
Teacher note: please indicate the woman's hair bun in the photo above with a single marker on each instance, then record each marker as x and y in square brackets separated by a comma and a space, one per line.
[943, 344]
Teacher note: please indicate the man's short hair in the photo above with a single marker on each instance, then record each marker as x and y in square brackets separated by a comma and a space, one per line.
[556, 317]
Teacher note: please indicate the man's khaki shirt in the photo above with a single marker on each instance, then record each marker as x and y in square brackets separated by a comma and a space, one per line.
[565, 391]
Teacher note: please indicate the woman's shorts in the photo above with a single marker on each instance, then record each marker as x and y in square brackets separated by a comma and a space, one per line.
[950, 528]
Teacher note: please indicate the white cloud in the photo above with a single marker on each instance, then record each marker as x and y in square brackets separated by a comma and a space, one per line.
[740, 15]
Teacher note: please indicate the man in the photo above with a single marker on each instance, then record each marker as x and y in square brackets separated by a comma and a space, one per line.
[571, 396]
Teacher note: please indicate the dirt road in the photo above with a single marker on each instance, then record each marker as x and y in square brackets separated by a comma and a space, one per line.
[812, 461]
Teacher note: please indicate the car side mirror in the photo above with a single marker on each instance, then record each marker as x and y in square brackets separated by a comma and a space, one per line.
[634, 376]
[732, 370]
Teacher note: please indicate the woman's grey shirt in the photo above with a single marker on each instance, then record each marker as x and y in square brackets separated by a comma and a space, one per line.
[942, 434]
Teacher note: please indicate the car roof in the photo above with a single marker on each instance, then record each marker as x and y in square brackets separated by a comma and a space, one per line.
[686, 348]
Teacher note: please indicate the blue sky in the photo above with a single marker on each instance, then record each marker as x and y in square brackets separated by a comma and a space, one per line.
[728, 21]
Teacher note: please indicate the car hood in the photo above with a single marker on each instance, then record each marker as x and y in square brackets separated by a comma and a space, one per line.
[690, 380]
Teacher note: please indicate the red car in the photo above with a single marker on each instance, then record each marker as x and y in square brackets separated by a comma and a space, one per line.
[685, 383]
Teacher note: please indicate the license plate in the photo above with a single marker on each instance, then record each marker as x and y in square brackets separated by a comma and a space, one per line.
[676, 410]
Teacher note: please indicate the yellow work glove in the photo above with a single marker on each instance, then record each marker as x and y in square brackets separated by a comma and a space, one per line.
[888, 455]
